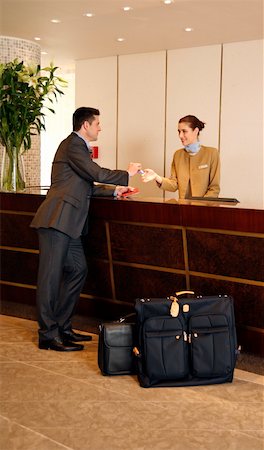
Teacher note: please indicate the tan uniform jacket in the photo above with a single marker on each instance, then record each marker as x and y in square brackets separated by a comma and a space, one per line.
[194, 175]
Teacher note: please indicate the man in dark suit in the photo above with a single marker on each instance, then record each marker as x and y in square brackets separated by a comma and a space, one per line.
[61, 220]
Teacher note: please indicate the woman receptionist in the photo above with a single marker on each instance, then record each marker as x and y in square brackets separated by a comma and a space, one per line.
[195, 169]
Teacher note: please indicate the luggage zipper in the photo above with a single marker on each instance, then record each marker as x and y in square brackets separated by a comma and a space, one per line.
[195, 335]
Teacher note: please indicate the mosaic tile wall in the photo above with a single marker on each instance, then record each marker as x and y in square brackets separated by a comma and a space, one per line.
[29, 52]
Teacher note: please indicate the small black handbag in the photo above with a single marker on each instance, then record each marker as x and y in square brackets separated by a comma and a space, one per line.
[115, 347]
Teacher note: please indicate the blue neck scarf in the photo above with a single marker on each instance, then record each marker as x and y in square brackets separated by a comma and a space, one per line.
[193, 148]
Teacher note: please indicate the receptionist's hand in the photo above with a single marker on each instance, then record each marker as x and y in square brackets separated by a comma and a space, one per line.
[150, 175]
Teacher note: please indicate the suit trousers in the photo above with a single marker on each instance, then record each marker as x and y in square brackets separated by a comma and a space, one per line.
[61, 276]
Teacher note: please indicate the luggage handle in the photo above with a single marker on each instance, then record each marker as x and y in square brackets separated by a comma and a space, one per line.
[124, 318]
[175, 307]
[183, 293]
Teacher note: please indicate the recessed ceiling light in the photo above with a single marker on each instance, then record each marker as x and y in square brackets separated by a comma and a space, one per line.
[37, 38]
[88, 14]
[188, 29]
[55, 21]
[168, 2]
[127, 8]
[120, 39]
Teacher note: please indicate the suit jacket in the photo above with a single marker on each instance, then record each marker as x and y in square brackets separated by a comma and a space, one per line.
[66, 205]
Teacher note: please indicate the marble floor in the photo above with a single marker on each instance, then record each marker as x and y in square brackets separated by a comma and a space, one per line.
[54, 401]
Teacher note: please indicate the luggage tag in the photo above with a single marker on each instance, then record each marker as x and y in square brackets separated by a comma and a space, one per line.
[175, 307]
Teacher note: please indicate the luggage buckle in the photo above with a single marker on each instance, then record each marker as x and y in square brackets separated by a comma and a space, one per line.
[136, 351]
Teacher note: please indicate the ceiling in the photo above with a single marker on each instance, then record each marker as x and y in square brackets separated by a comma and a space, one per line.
[149, 26]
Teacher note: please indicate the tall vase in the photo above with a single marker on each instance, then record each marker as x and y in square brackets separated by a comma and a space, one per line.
[13, 171]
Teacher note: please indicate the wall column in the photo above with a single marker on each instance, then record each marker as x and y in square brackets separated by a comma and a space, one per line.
[28, 52]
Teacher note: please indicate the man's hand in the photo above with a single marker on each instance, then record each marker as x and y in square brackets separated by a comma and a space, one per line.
[120, 190]
[133, 168]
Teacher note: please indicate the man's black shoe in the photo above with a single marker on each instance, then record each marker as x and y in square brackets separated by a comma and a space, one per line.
[71, 336]
[60, 346]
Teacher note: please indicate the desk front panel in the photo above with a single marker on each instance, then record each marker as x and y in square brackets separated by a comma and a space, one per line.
[139, 248]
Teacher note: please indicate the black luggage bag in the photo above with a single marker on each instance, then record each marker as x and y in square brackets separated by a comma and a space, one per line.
[115, 347]
[185, 341]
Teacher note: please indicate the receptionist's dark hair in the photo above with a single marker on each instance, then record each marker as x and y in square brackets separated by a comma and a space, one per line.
[193, 122]
[81, 115]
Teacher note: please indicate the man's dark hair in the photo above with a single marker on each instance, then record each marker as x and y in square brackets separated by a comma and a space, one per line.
[81, 115]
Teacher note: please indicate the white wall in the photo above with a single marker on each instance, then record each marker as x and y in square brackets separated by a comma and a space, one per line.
[242, 122]
[58, 126]
[141, 112]
[96, 86]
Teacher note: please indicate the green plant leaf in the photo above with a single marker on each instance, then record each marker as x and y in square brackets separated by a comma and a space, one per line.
[23, 93]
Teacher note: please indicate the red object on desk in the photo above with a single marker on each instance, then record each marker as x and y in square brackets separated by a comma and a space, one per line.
[127, 194]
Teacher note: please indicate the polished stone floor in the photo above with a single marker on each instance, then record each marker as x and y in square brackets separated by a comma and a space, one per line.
[55, 401]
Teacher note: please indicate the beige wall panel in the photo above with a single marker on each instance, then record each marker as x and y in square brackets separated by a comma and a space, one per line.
[242, 122]
[96, 86]
[58, 126]
[193, 87]
[141, 114]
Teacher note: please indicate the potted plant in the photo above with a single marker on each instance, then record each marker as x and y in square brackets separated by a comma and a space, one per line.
[23, 91]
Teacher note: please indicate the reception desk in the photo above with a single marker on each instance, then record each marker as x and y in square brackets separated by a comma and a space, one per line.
[140, 247]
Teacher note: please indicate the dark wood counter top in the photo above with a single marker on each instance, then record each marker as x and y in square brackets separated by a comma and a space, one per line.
[225, 216]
